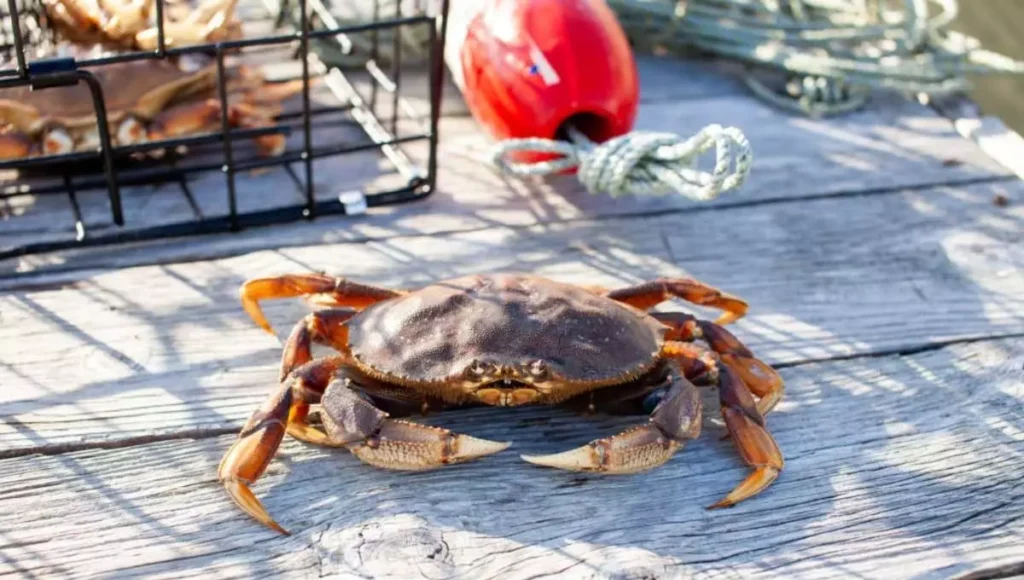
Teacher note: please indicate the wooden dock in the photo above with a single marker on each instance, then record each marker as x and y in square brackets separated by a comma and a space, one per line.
[882, 254]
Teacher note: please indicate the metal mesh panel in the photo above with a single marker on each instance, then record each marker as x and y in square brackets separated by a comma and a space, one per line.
[362, 106]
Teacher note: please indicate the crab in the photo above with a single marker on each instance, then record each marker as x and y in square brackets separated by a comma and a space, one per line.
[131, 24]
[503, 339]
[145, 101]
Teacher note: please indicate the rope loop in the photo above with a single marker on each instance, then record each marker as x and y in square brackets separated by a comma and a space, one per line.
[641, 162]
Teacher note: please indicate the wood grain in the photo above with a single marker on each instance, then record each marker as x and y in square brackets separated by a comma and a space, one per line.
[890, 145]
[990, 133]
[897, 466]
[158, 350]
[873, 237]
[37, 218]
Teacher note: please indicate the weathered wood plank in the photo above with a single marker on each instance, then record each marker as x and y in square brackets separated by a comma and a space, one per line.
[159, 350]
[34, 219]
[900, 144]
[661, 79]
[992, 135]
[899, 466]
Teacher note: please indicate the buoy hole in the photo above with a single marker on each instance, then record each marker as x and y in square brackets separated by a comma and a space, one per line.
[595, 126]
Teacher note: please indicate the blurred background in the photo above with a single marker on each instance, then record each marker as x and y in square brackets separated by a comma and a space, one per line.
[999, 24]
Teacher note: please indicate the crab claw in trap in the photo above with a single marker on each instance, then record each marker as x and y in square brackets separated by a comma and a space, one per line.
[200, 116]
[14, 145]
[57, 141]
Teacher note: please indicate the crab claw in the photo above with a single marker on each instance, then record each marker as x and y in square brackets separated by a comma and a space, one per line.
[130, 131]
[14, 145]
[406, 446]
[632, 451]
[674, 421]
[57, 141]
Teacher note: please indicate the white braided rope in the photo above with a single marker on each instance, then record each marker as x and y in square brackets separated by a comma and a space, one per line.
[640, 163]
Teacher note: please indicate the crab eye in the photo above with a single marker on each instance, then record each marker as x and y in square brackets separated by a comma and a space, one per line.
[538, 369]
[476, 369]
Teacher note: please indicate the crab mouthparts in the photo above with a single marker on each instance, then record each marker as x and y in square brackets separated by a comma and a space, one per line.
[506, 393]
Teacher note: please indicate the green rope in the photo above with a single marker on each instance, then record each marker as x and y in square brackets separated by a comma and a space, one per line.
[833, 51]
[640, 163]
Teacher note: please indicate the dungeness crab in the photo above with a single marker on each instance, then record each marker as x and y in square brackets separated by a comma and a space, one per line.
[145, 101]
[504, 340]
[131, 24]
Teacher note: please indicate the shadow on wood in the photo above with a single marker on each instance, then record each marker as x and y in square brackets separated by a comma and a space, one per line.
[899, 461]
[129, 385]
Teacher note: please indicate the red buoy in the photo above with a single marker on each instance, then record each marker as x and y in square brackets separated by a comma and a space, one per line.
[529, 68]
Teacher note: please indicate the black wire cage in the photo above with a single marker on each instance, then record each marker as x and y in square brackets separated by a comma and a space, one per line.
[356, 72]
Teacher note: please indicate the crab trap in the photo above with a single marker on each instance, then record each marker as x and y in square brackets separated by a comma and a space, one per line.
[135, 120]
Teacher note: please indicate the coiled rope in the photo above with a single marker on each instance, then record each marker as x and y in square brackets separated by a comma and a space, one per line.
[639, 163]
[834, 52]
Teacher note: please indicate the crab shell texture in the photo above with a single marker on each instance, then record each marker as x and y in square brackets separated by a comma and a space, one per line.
[144, 101]
[504, 339]
[451, 338]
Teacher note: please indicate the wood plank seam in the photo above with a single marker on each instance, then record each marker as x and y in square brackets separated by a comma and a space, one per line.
[993, 137]
[1010, 570]
[20, 281]
[206, 433]
[906, 351]
[900, 143]
[941, 513]
[923, 268]
[61, 448]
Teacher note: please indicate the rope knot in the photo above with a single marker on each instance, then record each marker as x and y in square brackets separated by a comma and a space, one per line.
[642, 162]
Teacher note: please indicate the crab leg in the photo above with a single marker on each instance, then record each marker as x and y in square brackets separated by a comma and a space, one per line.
[763, 380]
[755, 444]
[650, 294]
[322, 327]
[15, 145]
[204, 116]
[125, 17]
[760, 378]
[351, 421]
[202, 25]
[745, 423]
[84, 15]
[326, 290]
[675, 420]
[259, 439]
[18, 123]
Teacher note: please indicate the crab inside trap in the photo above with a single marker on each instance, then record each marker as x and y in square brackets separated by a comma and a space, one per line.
[203, 140]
